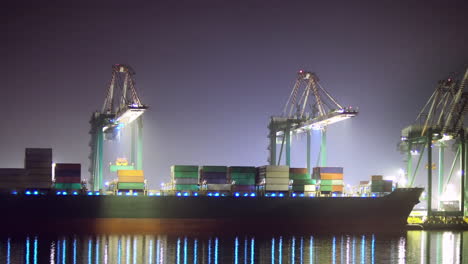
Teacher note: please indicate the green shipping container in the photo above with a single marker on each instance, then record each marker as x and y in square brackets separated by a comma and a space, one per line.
[115, 168]
[304, 182]
[185, 174]
[331, 182]
[186, 187]
[298, 188]
[296, 176]
[326, 188]
[131, 186]
[242, 175]
[186, 168]
[213, 168]
[244, 181]
[67, 186]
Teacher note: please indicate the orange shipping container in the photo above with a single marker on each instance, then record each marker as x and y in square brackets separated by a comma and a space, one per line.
[331, 176]
[337, 188]
[131, 179]
[298, 170]
[130, 173]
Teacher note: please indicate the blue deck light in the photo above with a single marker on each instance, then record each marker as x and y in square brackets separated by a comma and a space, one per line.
[14, 192]
[210, 194]
[119, 193]
[128, 194]
[253, 195]
[195, 194]
[236, 194]
[97, 193]
[301, 195]
[91, 193]
[28, 193]
[281, 194]
[273, 195]
[158, 194]
[75, 193]
[186, 194]
[216, 194]
[246, 194]
[294, 195]
[58, 193]
[267, 195]
[179, 194]
[150, 194]
[64, 193]
[35, 192]
[135, 194]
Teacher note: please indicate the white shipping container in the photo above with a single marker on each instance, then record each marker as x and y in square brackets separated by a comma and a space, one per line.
[277, 175]
[310, 188]
[282, 181]
[271, 168]
[276, 187]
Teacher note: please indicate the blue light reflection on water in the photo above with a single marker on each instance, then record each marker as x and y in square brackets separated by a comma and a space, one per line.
[373, 248]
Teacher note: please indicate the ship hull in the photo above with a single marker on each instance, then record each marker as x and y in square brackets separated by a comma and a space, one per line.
[172, 214]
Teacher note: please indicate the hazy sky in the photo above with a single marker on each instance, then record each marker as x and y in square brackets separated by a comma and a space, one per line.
[213, 72]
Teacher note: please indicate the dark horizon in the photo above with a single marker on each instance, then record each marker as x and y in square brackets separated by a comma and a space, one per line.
[213, 73]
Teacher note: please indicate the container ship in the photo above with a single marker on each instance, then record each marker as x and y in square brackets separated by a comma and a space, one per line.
[197, 199]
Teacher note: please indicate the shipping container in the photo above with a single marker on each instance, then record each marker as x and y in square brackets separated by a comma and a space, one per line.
[131, 179]
[271, 168]
[67, 179]
[68, 186]
[275, 174]
[298, 171]
[376, 177]
[184, 174]
[275, 181]
[129, 173]
[297, 176]
[310, 188]
[186, 187]
[131, 186]
[276, 187]
[304, 182]
[240, 175]
[186, 181]
[218, 187]
[241, 169]
[320, 170]
[243, 181]
[243, 188]
[184, 168]
[213, 169]
[331, 176]
[331, 182]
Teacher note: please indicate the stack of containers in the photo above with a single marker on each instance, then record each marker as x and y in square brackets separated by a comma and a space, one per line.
[331, 179]
[273, 178]
[38, 163]
[242, 178]
[214, 178]
[130, 180]
[379, 185]
[301, 180]
[12, 179]
[184, 178]
[67, 176]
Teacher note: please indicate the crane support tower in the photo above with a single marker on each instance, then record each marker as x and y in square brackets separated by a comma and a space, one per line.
[439, 124]
[309, 107]
[122, 108]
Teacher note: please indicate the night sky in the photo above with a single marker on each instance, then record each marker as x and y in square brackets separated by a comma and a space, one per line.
[213, 72]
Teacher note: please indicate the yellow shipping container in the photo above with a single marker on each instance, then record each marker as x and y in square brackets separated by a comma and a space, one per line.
[121, 173]
[331, 176]
[131, 179]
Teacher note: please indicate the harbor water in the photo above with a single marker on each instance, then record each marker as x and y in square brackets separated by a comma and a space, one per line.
[406, 247]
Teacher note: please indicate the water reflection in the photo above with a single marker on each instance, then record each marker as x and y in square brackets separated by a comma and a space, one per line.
[409, 247]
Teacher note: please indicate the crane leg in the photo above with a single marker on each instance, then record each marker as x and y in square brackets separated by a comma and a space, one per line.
[409, 166]
[288, 147]
[323, 148]
[308, 153]
[273, 148]
[99, 168]
[440, 185]
[139, 154]
[429, 173]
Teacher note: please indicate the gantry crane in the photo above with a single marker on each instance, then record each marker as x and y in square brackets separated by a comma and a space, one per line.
[439, 124]
[309, 107]
[122, 108]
